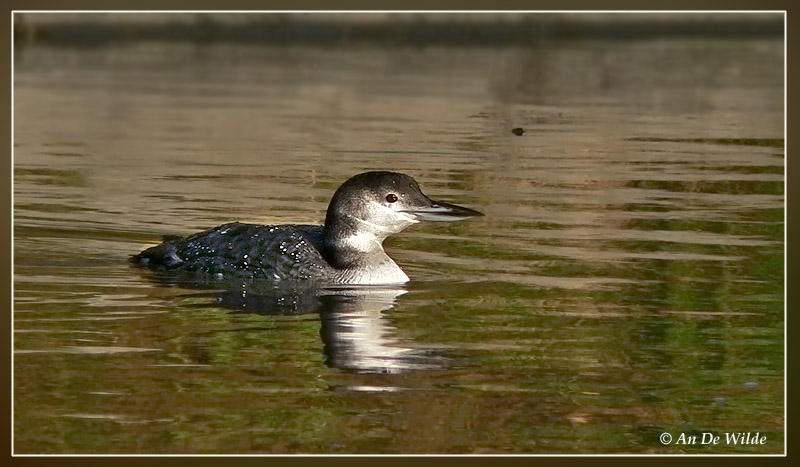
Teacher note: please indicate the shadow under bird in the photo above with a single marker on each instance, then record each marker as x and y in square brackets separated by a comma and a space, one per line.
[347, 250]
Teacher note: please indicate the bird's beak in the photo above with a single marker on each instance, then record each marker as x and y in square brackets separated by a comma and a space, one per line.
[443, 212]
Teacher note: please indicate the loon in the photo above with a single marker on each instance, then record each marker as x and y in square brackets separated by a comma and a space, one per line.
[347, 250]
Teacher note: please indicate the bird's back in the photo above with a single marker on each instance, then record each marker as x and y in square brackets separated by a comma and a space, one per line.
[250, 251]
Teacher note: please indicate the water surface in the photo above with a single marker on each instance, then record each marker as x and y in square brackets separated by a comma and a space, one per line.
[626, 281]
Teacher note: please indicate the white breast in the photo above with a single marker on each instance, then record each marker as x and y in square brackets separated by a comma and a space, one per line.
[385, 273]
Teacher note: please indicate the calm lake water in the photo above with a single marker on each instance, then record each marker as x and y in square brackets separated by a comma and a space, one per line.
[627, 280]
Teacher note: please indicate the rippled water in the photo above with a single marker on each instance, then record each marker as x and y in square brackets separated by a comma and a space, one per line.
[627, 280]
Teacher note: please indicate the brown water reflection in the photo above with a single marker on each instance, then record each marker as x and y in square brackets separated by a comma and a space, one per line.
[626, 281]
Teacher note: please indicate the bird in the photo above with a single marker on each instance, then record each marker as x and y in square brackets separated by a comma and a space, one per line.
[347, 250]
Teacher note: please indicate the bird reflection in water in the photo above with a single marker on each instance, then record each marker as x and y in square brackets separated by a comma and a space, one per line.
[355, 332]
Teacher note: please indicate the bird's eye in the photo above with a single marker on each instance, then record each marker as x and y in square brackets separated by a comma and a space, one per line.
[391, 197]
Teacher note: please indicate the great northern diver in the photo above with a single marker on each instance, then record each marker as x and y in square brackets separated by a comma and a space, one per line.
[347, 250]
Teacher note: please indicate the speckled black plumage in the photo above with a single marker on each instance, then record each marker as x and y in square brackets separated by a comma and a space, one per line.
[248, 251]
